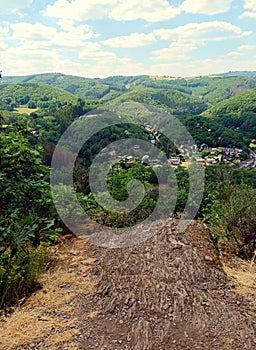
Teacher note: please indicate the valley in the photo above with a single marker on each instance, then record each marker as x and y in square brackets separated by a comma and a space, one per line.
[81, 295]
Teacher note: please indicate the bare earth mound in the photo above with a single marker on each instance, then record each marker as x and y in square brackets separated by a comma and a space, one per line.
[168, 293]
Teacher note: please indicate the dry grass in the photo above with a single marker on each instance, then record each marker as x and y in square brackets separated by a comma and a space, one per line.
[242, 276]
[156, 77]
[48, 316]
[25, 110]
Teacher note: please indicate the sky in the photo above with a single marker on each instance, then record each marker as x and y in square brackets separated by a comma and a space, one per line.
[100, 38]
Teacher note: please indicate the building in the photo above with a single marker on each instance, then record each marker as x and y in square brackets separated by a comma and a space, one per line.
[175, 161]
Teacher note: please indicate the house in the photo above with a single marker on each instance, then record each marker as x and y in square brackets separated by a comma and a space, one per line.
[232, 152]
[204, 146]
[193, 147]
[128, 159]
[200, 161]
[145, 159]
[149, 127]
[211, 161]
[175, 161]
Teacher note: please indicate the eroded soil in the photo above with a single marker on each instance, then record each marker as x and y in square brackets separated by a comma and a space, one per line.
[168, 293]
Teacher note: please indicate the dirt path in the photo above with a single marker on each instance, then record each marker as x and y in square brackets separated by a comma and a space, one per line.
[168, 293]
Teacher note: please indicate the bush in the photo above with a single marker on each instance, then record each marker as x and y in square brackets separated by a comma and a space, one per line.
[232, 219]
[27, 216]
[19, 274]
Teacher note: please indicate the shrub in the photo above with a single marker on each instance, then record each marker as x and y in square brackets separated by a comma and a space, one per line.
[27, 216]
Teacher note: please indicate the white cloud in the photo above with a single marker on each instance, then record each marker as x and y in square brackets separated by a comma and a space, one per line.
[66, 24]
[96, 54]
[38, 35]
[3, 45]
[22, 61]
[206, 7]
[234, 54]
[189, 37]
[4, 32]
[14, 6]
[248, 14]
[26, 31]
[80, 10]
[202, 67]
[149, 10]
[40, 48]
[115, 67]
[193, 34]
[130, 41]
[247, 47]
[202, 32]
[108, 63]
[175, 51]
[251, 6]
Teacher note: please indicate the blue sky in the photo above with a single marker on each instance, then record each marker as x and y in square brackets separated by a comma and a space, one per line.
[99, 38]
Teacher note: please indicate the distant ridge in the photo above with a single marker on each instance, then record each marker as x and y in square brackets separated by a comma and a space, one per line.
[242, 73]
[210, 89]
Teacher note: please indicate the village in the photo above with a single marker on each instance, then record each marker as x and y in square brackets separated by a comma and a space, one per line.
[203, 155]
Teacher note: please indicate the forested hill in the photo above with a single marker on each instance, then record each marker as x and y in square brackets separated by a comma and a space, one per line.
[33, 95]
[237, 113]
[174, 101]
[210, 89]
[239, 73]
[235, 106]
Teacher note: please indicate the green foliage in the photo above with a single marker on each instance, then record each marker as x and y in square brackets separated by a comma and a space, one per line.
[210, 89]
[19, 275]
[237, 113]
[230, 211]
[82, 87]
[26, 214]
[36, 94]
[215, 132]
[174, 101]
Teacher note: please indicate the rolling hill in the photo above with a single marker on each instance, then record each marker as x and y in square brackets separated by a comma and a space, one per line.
[82, 87]
[235, 106]
[33, 95]
[174, 101]
[237, 113]
[210, 89]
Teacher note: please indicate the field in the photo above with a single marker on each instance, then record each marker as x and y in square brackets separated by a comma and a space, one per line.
[25, 110]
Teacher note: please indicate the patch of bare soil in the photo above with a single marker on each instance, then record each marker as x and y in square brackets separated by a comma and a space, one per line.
[47, 319]
[168, 293]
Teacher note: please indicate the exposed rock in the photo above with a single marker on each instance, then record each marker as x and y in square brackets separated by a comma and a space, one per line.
[168, 293]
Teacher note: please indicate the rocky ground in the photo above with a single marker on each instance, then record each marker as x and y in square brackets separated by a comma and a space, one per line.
[168, 293]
